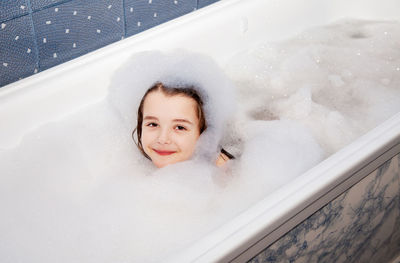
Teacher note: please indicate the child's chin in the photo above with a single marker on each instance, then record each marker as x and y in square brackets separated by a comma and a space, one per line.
[163, 164]
[166, 163]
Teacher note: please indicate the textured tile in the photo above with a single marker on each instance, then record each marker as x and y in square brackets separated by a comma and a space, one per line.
[18, 55]
[66, 31]
[40, 4]
[203, 3]
[12, 8]
[144, 14]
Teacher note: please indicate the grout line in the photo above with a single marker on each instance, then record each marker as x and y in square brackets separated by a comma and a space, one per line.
[14, 17]
[124, 14]
[30, 10]
[51, 5]
[36, 47]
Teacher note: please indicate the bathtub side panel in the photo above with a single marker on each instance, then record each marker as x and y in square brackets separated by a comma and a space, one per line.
[361, 225]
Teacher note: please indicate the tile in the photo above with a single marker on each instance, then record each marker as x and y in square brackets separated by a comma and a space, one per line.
[68, 30]
[13, 8]
[203, 3]
[18, 55]
[144, 14]
[40, 4]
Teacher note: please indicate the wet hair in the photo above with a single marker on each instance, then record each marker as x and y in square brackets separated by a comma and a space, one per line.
[187, 91]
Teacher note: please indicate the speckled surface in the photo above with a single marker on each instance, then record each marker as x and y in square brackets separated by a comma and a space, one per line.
[38, 34]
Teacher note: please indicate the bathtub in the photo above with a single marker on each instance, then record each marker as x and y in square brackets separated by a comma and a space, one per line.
[61, 90]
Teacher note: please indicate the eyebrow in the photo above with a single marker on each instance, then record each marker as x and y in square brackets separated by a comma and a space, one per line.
[183, 120]
[175, 120]
[150, 118]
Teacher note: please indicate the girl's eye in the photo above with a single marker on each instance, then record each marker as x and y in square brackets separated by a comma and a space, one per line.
[152, 124]
[180, 128]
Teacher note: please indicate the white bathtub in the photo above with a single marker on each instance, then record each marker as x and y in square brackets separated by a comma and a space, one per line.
[219, 30]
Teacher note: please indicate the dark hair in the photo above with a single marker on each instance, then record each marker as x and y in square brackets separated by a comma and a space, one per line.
[188, 91]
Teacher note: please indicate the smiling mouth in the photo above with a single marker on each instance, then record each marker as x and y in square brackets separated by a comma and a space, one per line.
[164, 152]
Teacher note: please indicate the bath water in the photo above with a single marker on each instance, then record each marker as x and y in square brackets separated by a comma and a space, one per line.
[78, 190]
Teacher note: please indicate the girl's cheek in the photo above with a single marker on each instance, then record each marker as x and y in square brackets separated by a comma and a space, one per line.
[189, 138]
[146, 137]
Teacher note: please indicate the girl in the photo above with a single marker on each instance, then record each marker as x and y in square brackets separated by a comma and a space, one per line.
[170, 121]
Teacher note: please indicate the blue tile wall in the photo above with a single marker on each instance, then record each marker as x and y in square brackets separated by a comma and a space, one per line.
[11, 9]
[203, 3]
[18, 51]
[144, 14]
[38, 34]
[74, 28]
[40, 4]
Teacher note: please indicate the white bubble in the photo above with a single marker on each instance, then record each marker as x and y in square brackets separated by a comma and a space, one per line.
[270, 147]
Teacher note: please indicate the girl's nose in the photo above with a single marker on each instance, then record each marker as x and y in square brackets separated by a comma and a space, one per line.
[163, 137]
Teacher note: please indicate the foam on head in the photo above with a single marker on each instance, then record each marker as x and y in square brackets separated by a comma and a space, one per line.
[176, 69]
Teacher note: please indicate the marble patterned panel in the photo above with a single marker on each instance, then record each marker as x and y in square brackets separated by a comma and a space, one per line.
[361, 225]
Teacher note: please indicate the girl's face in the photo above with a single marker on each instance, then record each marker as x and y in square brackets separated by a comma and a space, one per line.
[170, 128]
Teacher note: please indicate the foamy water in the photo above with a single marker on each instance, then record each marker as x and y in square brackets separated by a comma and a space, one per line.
[79, 190]
[340, 80]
